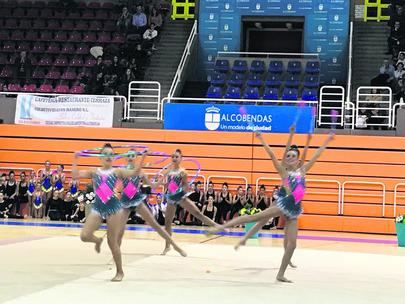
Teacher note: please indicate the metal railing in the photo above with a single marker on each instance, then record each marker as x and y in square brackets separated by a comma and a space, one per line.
[309, 191]
[331, 98]
[344, 190]
[226, 178]
[268, 55]
[376, 105]
[350, 109]
[143, 100]
[396, 196]
[186, 53]
[18, 169]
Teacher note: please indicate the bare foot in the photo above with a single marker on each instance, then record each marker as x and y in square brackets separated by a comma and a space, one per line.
[166, 250]
[241, 243]
[118, 277]
[283, 279]
[179, 250]
[97, 247]
[292, 265]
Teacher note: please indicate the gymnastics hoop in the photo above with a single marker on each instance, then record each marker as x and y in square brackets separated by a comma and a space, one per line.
[95, 152]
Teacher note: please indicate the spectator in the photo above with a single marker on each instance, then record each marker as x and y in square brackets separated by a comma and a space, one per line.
[80, 214]
[386, 75]
[399, 73]
[139, 20]
[22, 198]
[149, 38]
[238, 202]
[95, 86]
[124, 20]
[249, 198]
[210, 192]
[23, 67]
[262, 201]
[224, 204]
[3, 181]
[125, 81]
[209, 210]
[401, 58]
[115, 67]
[396, 39]
[67, 207]
[99, 67]
[55, 206]
[156, 18]
[197, 197]
[110, 84]
[10, 194]
[37, 203]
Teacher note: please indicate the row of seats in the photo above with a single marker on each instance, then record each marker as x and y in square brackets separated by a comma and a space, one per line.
[88, 37]
[271, 80]
[259, 66]
[46, 88]
[47, 13]
[9, 26]
[53, 4]
[60, 61]
[53, 73]
[43, 48]
[269, 93]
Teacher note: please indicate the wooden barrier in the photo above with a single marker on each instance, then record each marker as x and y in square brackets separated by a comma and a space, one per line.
[361, 159]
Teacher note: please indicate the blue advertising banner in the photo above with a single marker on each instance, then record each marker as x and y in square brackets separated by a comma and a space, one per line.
[272, 119]
[326, 29]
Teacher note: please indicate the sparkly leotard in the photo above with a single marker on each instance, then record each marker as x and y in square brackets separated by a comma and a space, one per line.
[174, 187]
[131, 194]
[290, 203]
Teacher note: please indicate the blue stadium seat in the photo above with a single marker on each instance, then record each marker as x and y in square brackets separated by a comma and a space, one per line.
[290, 94]
[254, 80]
[222, 66]
[237, 79]
[273, 80]
[294, 67]
[214, 92]
[240, 66]
[276, 66]
[218, 79]
[312, 67]
[309, 94]
[251, 93]
[271, 94]
[311, 81]
[292, 81]
[258, 66]
[232, 93]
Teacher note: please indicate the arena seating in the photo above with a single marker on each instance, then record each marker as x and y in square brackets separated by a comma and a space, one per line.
[265, 79]
[57, 40]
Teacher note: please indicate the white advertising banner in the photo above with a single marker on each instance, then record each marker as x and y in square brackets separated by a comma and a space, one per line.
[74, 110]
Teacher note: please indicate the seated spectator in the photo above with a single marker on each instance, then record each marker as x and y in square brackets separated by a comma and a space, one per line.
[99, 67]
[67, 207]
[115, 67]
[139, 21]
[55, 207]
[238, 202]
[3, 181]
[401, 58]
[399, 73]
[386, 75]
[249, 198]
[22, 66]
[209, 210]
[156, 18]
[110, 84]
[80, 213]
[124, 20]
[149, 38]
[95, 86]
[125, 81]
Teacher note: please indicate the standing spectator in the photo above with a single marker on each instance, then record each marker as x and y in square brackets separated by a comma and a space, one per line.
[99, 67]
[95, 86]
[262, 201]
[10, 194]
[23, 67]
[139, 20]
[115, 67]
[124, 20]
[37, 203]
[22, 201]
[224, 205]
[396, 39]
[196, 197]
[156, 18]
[149, 38]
